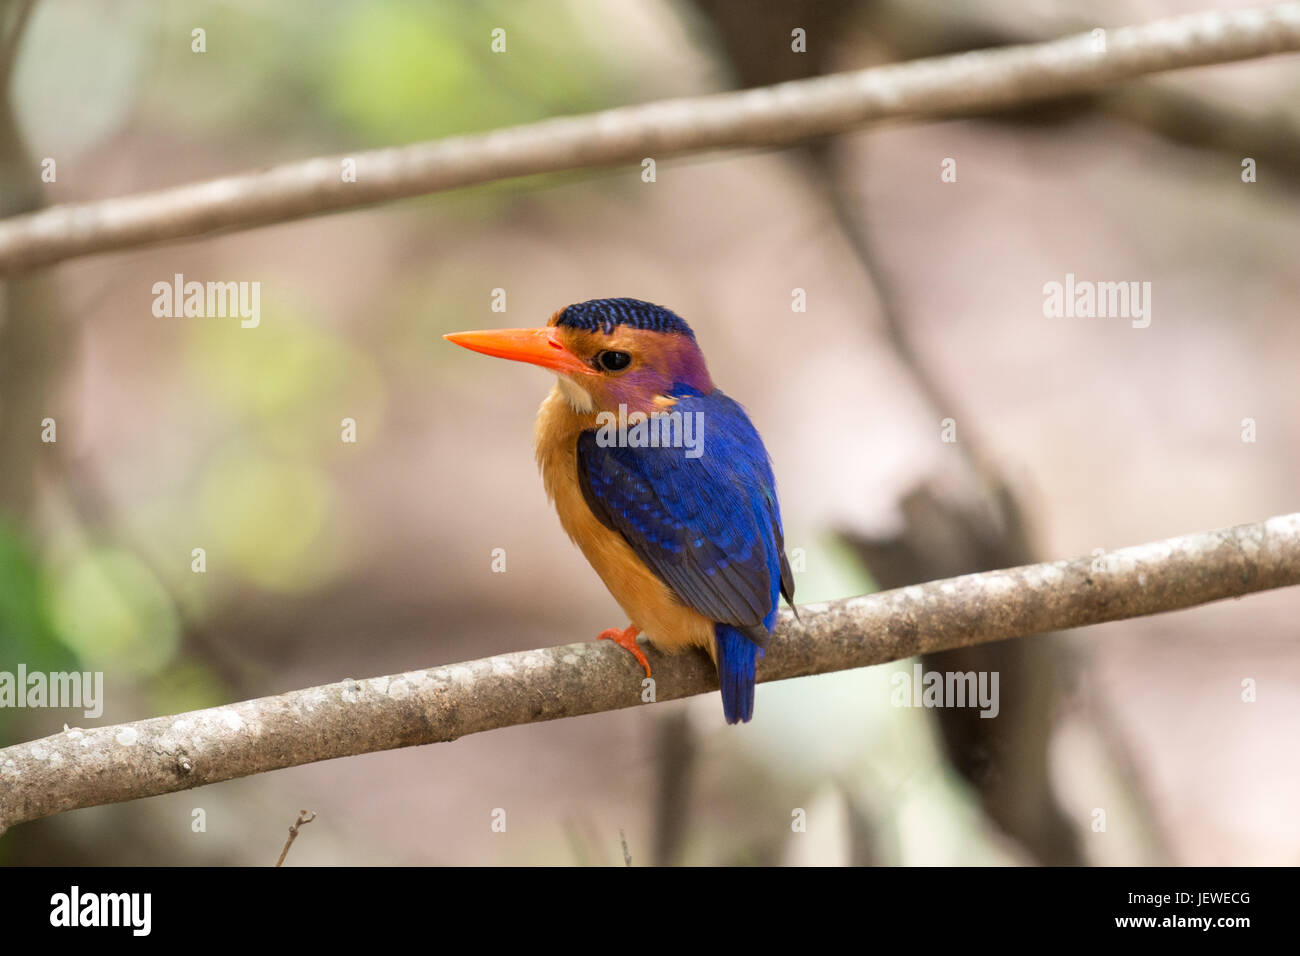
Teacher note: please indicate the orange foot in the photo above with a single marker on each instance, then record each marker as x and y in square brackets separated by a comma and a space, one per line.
[627, 641]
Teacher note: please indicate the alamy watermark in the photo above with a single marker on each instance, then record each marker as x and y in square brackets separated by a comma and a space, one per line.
[1098, 300]
[946, 689]
[132, 911]
[660, 430]
[216, 300]
[59, 689]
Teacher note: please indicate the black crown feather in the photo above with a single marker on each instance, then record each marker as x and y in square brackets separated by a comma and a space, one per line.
[605, 315]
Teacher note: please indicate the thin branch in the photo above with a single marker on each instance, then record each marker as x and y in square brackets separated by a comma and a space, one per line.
[84, 768]
[765, 116]
[303, 820]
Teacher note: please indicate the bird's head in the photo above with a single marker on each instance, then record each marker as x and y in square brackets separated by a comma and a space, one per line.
[607, 352]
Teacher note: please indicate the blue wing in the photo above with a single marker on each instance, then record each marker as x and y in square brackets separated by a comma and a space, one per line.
[708, 526]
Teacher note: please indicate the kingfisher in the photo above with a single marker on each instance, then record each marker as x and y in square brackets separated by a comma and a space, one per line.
[661, 480]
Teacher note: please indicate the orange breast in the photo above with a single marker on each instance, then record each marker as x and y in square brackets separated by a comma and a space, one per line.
[648, 603]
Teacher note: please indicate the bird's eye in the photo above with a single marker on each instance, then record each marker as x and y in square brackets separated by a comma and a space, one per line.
[613, 361]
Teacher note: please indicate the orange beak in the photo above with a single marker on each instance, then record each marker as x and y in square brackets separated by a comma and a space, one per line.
[535, 346]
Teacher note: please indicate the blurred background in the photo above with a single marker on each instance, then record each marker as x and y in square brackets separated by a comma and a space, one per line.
[327, 560]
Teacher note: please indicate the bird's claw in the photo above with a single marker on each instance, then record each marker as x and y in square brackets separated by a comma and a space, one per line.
[626, 639]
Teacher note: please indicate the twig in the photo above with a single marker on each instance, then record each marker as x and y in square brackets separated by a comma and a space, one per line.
[765, 116]
[302, 821]
[83, 768]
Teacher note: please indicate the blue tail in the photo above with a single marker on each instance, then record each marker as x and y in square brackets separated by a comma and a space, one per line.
[736, 657]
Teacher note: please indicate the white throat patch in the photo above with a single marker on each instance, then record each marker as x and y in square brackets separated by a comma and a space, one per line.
[577, 397]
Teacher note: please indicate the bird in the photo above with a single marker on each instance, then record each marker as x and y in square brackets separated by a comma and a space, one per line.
[661, 480]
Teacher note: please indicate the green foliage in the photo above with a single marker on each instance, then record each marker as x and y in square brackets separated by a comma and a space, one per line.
[289, 382]
[376, 73]
[407, 71]
[270, 521]
[114, 612]
[185, 686]
[27, 632]
[266, 505]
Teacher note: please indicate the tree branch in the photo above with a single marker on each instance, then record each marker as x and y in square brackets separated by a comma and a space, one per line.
[83, 768]
[765, 116]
